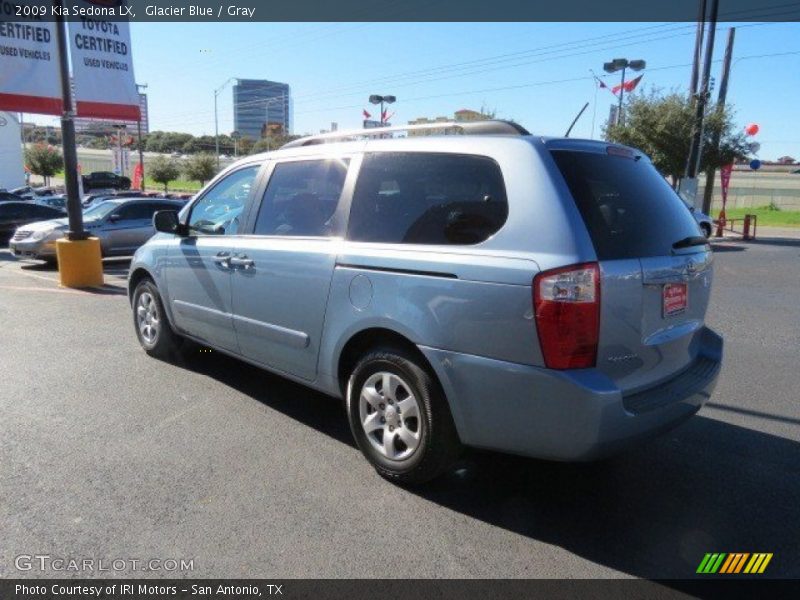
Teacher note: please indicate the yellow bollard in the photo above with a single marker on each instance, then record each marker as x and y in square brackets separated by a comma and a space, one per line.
[79, 263]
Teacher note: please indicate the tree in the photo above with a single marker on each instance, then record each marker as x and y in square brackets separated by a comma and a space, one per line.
[661, 126]
[272, 142]
[44, 160]
[163, 170]
[200, 167]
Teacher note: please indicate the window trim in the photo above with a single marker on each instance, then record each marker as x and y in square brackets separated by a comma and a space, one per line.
[340, 214]
[260, 166]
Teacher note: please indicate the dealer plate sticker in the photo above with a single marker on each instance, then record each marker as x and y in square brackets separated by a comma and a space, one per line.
[676, 298]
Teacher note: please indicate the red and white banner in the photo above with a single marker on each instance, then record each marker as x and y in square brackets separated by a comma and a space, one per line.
[29, 79]
[102, 68]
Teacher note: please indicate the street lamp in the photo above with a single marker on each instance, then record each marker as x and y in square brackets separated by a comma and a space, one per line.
[622, 64]
[376, 99]
[216, 119]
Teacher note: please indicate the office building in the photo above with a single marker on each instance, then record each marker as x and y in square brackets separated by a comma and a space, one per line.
[261, 108]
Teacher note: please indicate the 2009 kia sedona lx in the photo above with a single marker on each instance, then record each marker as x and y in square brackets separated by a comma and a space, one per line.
[544, 297]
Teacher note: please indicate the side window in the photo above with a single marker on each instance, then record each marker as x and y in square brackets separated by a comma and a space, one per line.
[219, 211]
[427, 198]
[301, 198]
[135, 211]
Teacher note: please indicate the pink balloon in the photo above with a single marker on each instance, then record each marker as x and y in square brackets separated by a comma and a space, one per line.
[751, 129]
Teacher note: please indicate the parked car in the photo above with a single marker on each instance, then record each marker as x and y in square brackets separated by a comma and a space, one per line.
[705, 222]
[10, 197]
[59, 201]
[122, 225]
[15, 214]
[498, 291]
[31, 193]
[105, 180]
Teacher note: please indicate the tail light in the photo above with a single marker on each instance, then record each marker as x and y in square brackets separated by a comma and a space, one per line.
[566, 302]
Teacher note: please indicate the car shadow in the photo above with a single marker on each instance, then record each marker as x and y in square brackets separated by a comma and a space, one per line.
[652, 512]
[776, 241]
[726, 248]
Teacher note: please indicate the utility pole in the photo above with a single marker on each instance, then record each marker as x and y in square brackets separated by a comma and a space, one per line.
[74, 209]
[698, 49]
[696, 148]
[723, 93]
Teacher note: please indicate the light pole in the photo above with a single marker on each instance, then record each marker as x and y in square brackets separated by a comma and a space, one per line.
[216, 119]
[622, 64]
[377, 99]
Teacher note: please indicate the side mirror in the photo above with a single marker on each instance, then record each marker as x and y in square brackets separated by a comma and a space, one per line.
[166, 221]
[113, 218]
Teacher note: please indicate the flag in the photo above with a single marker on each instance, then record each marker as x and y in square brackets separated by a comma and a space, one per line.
[387, 117]
[137, 176]
[366, 114]
[628, 86]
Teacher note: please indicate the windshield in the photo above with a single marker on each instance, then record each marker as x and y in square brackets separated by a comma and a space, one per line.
[98, 211]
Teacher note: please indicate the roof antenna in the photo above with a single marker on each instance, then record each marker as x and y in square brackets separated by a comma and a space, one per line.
[578, 116]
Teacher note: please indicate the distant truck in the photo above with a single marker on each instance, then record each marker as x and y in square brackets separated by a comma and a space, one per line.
[105, 180]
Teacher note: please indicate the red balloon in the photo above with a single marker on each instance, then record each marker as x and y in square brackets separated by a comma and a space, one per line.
[751, 129]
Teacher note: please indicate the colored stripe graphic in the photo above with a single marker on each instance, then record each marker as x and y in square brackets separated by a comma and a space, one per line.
[711, 563]
[734, 562]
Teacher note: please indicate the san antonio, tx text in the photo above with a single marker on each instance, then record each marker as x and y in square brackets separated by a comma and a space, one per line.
[125, 589]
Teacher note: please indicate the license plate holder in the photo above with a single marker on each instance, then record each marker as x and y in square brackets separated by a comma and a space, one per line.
[675, 299]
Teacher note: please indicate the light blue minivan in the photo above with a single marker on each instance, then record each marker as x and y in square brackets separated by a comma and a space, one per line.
[492, 289]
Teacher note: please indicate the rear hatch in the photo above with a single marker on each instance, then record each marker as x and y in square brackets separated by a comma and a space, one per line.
[655, 264]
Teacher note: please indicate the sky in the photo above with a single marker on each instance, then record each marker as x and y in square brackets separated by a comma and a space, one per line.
[535, 73]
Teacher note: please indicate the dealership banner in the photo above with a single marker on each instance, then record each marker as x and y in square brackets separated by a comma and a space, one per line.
[102, 66]
[29, 79]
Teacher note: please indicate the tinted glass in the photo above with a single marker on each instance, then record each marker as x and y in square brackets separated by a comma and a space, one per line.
[219, 211]
[417, 198]
[301, 198]
[629, 209]
[11, 210]
[135, 211]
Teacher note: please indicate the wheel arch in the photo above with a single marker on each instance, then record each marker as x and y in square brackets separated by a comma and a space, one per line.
[136, 276]
[373, 337]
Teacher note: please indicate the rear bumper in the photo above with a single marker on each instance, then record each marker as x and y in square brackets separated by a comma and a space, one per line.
[566, 415]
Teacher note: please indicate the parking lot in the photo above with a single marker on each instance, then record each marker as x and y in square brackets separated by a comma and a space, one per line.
[107, 453]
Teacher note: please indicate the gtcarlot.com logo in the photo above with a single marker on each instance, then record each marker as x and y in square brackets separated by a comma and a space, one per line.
[734, 562]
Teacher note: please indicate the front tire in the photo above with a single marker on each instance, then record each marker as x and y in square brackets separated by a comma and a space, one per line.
[150, 320]
[400, 418]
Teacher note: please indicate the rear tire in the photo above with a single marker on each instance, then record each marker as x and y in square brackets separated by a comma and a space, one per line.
[400, 418]
[150, 321]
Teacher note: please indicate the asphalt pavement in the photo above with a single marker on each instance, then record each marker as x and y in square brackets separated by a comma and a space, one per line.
[106, 453]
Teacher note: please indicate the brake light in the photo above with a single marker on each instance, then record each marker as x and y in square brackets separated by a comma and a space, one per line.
[566, 302]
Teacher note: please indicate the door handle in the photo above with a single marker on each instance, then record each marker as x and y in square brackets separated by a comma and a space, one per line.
[223, 259]
[242, 261]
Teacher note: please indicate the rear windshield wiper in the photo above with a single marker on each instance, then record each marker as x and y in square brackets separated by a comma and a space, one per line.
[693, 240]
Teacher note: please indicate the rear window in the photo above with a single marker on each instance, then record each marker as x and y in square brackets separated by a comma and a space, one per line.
[629, 209]
[427, 198]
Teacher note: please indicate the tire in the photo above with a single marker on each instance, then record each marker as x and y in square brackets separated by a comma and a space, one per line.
[424, 441]
[150, 322]
[706, 229]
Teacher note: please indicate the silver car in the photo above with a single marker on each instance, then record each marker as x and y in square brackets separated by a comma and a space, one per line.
[494, 289]
[121, 224]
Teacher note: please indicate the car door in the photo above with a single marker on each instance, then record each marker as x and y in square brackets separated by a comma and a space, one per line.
[199, 272]
[128, 227]
[282, 272]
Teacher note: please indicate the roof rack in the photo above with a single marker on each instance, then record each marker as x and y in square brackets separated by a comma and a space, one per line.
[493, 127]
